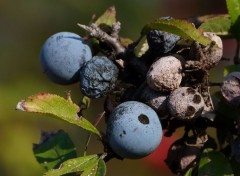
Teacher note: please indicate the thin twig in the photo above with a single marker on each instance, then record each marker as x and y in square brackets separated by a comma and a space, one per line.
[95, 123]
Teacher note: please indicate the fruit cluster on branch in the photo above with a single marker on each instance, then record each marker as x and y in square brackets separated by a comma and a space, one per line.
[167, 87]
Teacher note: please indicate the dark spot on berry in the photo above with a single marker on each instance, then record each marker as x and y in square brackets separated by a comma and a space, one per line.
[190, 91]
[143, 119]
[135, 129]
[190, 111]
[197, 99]
[183, 94]
[122, 134]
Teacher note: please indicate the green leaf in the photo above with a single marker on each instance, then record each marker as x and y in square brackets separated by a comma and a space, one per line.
[231, 68]
[81, 164]
[189, 172]
[233, 9]
[234, 12]
[236, 167]
[99, 169]
[220, 25]
[181, 28]
[57, 106]
[107, 18]
[214, 163]
[86, 101]
[53, 149]
[142, 48]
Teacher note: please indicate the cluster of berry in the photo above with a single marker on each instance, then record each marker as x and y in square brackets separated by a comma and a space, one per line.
[166, 83]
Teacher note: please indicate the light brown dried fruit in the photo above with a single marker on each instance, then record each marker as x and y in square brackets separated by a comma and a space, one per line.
[185, 103]
[165, 74]
[209, 56]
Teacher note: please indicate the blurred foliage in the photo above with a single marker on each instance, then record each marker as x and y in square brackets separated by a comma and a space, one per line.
[24, 26]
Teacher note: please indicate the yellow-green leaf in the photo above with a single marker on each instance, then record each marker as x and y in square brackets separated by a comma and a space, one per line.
[234, 12]
[57, 106]
[233, 9]
[181, 28]
[108, 17]
[220, 25]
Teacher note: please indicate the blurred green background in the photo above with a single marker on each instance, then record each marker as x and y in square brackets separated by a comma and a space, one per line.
[24, 26]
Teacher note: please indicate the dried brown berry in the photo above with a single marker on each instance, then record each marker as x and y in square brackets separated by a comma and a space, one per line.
[185, 103]
[181, 156]
[155, 99]
[165, 74]
[208, 55]
[231, 89]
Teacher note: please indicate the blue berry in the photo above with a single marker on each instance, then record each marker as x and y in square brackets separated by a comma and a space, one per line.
[133, 130]
[161, 41]
[98, 77]
[62, 56]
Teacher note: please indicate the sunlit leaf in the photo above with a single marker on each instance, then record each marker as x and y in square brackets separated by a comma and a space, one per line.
[234, 12]
[142, 48]
[220, 25]
[53, 149]
[99, 169]
[233, 9]
[81, 164]
[86, 101]
[181, 28]
[108, 17]
[214, 163]
[57, 106]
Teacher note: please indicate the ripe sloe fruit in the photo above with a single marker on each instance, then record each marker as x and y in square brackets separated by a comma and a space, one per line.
[98, 77]
[133, 130]
[62, 56]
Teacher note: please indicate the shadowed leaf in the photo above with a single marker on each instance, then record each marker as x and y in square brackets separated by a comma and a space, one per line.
[53, 149]
[214, 163]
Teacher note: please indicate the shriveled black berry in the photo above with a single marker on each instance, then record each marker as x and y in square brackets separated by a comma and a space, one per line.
[161, 41]
[181, 156]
